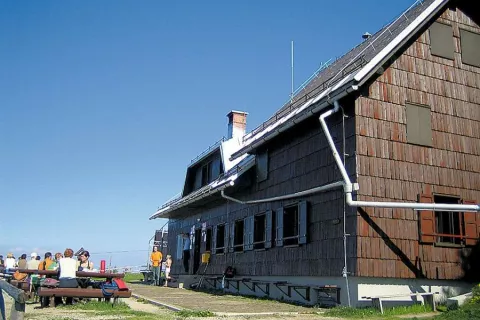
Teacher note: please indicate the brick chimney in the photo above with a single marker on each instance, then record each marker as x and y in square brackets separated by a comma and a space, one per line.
[237, 124]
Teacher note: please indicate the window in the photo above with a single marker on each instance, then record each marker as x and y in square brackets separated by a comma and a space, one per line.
[419, 124]
[259, 231]
[238, 235]
[291, 225]
[448, 227]
[262, 166]
[470, 44]
[220, 239]
[448, 223]
[208, 240]
[210, 171]
[441, 40]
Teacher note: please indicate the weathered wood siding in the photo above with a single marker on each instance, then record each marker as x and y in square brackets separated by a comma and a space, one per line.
[390, 169]
[298, 160]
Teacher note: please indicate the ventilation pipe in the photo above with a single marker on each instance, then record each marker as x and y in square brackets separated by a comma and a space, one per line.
[349, 187]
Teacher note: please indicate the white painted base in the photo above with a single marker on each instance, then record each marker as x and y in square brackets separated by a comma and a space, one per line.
[359, 287]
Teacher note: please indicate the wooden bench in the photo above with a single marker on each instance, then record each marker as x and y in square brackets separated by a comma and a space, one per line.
[327, 294]
[212, 280]
[428, 298]
[80, 293]
[295, 287]
[23, 284]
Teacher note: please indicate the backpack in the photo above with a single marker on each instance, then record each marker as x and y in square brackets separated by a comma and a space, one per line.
[229, 272]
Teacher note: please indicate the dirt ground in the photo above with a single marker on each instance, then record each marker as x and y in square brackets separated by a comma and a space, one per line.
[156, 312]
[221, 304]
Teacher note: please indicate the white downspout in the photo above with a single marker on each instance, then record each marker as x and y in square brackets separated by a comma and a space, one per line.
[402, 205]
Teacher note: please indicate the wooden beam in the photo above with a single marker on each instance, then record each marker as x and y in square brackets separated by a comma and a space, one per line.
[18, 307]
[17, 294]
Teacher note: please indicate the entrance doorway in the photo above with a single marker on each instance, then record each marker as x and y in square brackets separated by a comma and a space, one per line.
[196, 250]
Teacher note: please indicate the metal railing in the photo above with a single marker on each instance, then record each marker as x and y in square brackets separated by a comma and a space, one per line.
[209, 149]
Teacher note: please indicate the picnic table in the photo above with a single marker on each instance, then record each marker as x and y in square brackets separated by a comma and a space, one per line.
[80, 274]
[78, 292]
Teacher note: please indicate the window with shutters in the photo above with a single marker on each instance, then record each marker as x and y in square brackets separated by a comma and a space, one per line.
[259, 231]
[208, 240]
[448, 227]
[291, 225]
[239, 232]
[220, 239]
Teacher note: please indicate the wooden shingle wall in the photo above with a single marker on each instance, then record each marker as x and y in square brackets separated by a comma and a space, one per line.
[298, 160]
[390, 169]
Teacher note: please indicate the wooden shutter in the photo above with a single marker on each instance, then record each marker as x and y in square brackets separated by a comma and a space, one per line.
[268, 229]
[426, 220]
[279, 232]
[179, 247]
[302, 222]
[226, 241]
[232, 237]
[248, 233]
[472, 225]
[214, 240]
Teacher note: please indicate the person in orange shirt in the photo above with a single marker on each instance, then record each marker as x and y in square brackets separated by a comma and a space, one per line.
[156, 259]
[45, 264]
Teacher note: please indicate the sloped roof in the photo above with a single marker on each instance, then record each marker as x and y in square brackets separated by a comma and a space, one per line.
[351, 69]
[224, 181]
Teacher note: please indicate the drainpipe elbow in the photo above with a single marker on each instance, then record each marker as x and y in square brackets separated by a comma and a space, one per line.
[336, 105]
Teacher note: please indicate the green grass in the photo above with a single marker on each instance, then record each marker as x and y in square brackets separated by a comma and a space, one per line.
[121, 309]
[367, 313]
[129, 277]
[466, 312]
[195, 314]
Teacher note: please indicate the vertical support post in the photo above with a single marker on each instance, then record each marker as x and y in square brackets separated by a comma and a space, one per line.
[18, 311]
[3, 314]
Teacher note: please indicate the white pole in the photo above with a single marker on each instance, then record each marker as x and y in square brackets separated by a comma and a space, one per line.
[291, 93]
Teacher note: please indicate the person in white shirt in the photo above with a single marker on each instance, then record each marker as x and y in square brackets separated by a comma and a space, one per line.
[68, 272]
[33, 263]
[10, 262]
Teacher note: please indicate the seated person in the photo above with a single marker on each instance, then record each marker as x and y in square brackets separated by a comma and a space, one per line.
[67, 272]
[45, 264]
[84, 264]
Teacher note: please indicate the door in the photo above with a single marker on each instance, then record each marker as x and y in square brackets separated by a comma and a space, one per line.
[196, 250]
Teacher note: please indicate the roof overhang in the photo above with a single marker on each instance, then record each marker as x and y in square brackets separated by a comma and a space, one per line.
[347, 85]
[214, 187]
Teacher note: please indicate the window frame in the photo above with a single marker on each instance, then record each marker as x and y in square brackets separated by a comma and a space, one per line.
[264, 241]
[224, 248]
[236, 246]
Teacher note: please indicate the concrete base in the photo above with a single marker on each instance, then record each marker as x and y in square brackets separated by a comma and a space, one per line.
[358, 288]
[455, 302]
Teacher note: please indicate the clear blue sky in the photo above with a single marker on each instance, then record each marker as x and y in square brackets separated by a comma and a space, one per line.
[104, 103]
